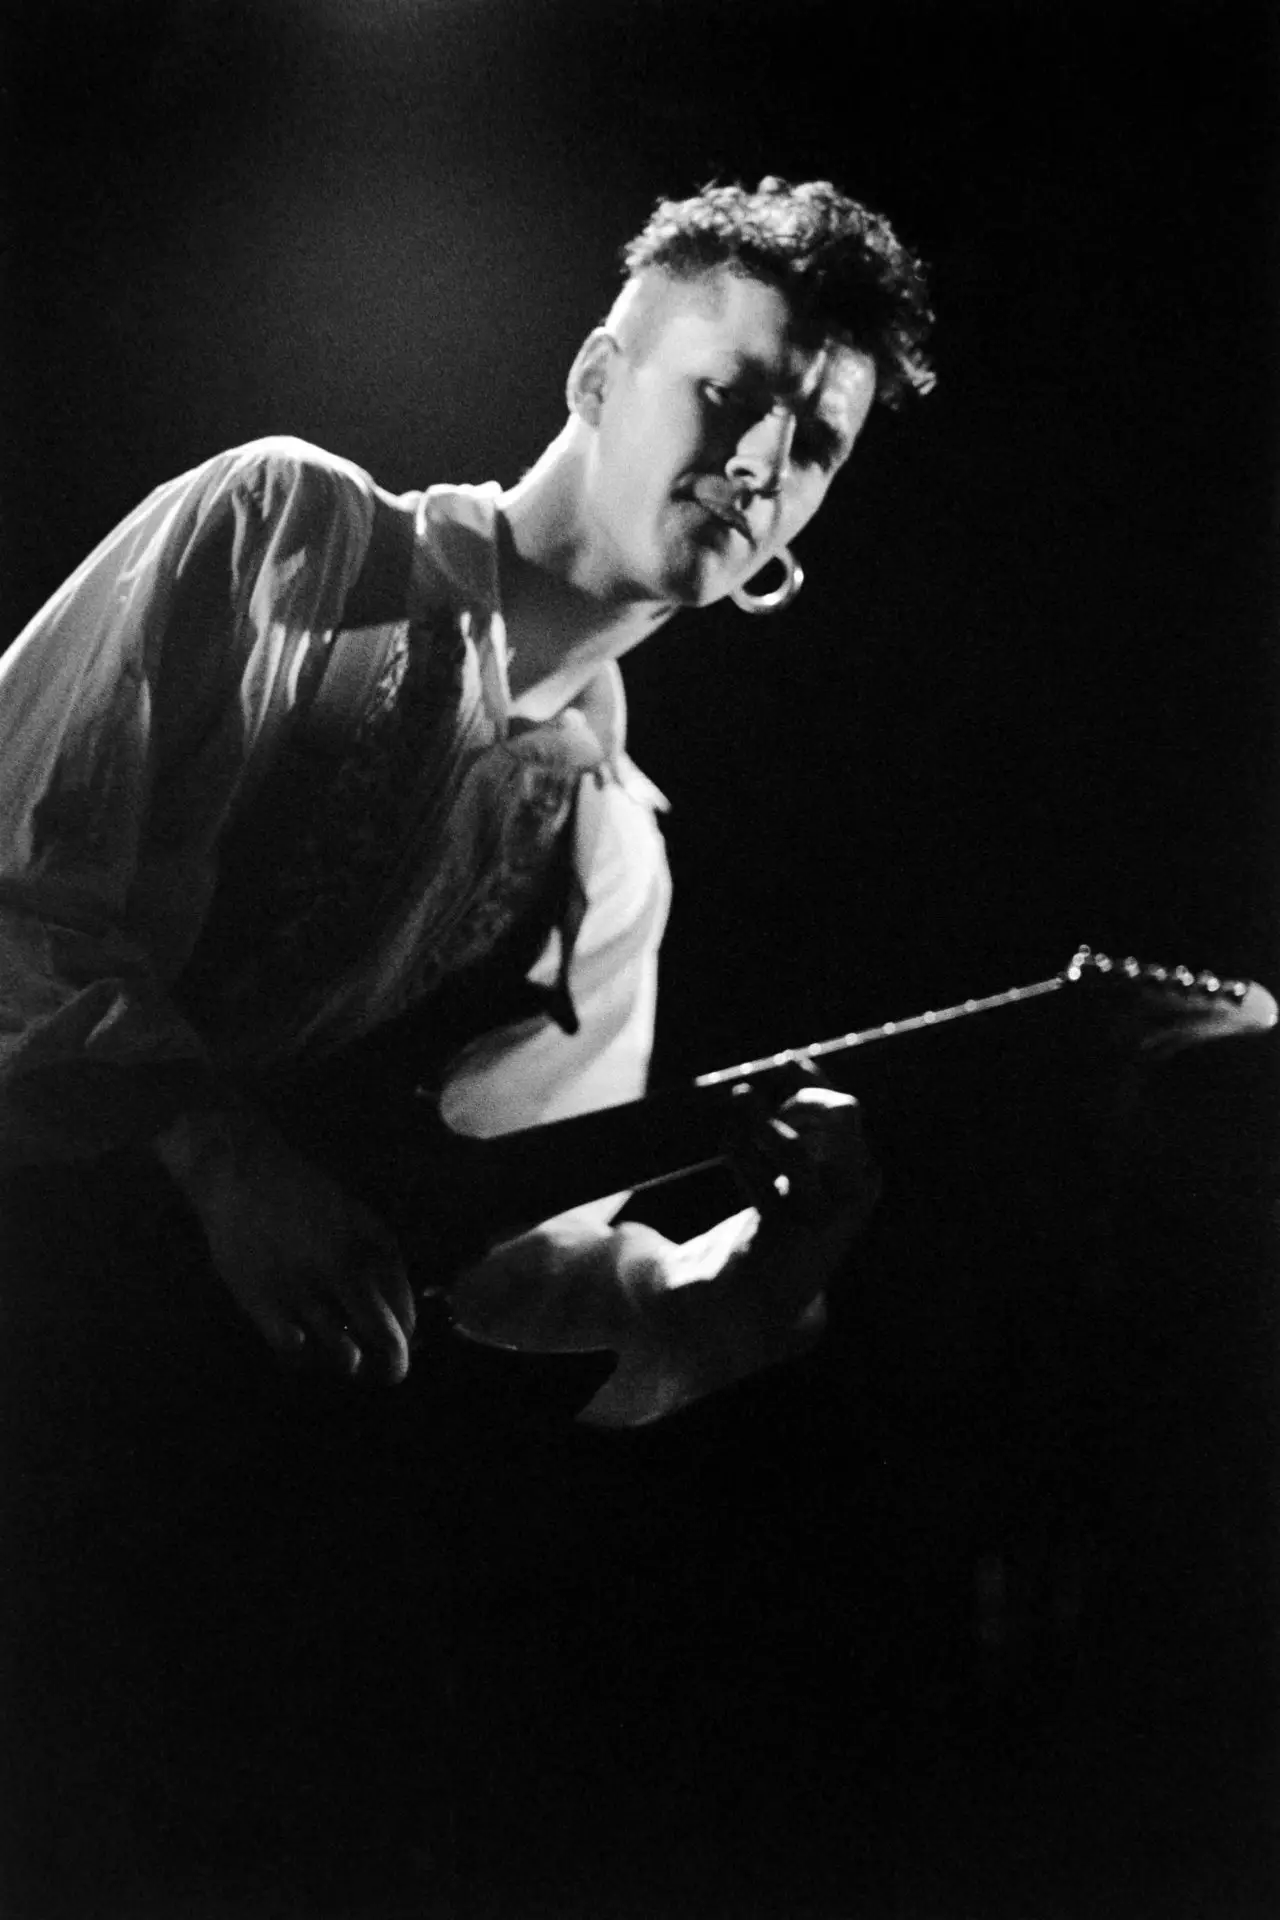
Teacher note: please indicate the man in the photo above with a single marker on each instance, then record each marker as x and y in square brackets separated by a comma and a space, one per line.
[149, 705]
[290, 764]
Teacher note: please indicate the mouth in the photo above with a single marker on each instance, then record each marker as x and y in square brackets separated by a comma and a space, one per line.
[735, 521]
[720, 506]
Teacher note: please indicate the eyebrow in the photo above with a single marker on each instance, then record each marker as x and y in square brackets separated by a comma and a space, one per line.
[749, 370]
[752, 371]
[750, 366]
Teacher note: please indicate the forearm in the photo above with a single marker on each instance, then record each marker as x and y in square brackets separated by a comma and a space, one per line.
[676, 1314]
[708, 1313]
[686, 1320]
[205, 1146]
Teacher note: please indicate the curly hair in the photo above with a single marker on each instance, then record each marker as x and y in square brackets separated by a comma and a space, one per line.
[839, 264]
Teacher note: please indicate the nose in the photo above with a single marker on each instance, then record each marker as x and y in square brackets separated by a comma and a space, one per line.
[762, 454]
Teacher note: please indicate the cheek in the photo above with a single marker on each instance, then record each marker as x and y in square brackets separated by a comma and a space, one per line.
[630, 459]
[799, 508]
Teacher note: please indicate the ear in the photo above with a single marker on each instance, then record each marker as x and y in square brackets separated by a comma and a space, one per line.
[591, 375]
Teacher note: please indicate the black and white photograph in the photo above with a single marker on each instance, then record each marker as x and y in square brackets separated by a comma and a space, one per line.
[639, 954]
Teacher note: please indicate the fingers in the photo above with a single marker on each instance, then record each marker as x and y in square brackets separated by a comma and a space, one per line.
[374, 1286]
[399, 1297]
[809, 1158]
[340, 1314]
[828, 1128]
[324, 1324]
[370, 1320]
[787, 1154]
[317, 1272]
[281, 1334]
[758, 1148]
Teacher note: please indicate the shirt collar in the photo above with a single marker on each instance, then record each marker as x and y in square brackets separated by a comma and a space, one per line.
[456, 561]
[457, 548]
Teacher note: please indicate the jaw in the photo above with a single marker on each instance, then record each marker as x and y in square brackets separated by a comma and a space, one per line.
[698, 579]
[685, 558]
[704, 558]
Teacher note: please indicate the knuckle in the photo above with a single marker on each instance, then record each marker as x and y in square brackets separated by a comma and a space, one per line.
[819, 1099]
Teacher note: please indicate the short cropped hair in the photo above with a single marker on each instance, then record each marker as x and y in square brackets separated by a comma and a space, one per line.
[839, 264]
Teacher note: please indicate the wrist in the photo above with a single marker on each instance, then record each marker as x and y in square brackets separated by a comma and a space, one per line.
[203, 1147]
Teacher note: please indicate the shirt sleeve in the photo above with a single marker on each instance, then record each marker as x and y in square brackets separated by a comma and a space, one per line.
[137, 710]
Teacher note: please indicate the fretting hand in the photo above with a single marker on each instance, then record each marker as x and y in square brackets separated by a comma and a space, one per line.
[688, 1319]
[808, 1170]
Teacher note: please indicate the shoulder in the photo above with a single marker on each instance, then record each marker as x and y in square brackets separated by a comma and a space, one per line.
[280, 458]
[277, 486]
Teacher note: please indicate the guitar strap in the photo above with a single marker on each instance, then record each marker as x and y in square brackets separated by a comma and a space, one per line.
[356, 660]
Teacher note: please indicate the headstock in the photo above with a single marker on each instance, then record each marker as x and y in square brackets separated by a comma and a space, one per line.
[1182, 1007]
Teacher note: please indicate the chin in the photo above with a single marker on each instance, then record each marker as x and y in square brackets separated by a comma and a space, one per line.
[696, 597]
[690, 594]
[698, 583]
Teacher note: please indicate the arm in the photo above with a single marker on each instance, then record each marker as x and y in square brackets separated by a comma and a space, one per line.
[685, 1320]
[137, 711]
[303, 1259]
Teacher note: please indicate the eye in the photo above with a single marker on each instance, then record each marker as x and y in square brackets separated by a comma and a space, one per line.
[730, 400]
[815, 445]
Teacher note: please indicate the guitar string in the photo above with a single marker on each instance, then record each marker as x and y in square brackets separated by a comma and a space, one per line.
[934, 1018]
[1084, 961]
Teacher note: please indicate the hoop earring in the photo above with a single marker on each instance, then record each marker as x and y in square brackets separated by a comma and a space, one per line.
[781, 596]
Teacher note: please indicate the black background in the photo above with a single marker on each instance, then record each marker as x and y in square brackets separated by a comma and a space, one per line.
[1027, 699]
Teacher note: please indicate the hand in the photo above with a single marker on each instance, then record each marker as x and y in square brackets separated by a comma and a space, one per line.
[687, 1320]
[720, 1308]
[810, 1174]
[808, 1162]
[313, 1268]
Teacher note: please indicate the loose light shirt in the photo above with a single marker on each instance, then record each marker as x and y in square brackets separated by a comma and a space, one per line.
[167, 926]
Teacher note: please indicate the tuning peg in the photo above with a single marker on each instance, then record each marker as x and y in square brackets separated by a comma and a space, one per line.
[1213, 986]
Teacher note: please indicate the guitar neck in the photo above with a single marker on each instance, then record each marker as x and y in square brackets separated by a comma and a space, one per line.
[479, 1191]
[511, 1181]
[497, 1187]
[889, 1030]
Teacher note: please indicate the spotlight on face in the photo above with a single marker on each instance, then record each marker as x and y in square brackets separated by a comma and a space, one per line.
[717, 434]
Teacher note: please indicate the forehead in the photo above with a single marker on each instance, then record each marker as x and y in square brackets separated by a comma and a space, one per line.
[728, 326]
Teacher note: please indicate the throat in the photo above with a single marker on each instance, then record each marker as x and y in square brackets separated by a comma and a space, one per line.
[546, 671]
[559, 635]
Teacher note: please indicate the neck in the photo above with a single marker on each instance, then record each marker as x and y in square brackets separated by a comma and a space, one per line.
[565, 613]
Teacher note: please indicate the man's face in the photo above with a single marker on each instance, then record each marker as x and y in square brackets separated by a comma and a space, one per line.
[714, 447]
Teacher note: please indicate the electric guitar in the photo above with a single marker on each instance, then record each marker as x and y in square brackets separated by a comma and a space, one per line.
[450, 1199]
[505, 1184]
